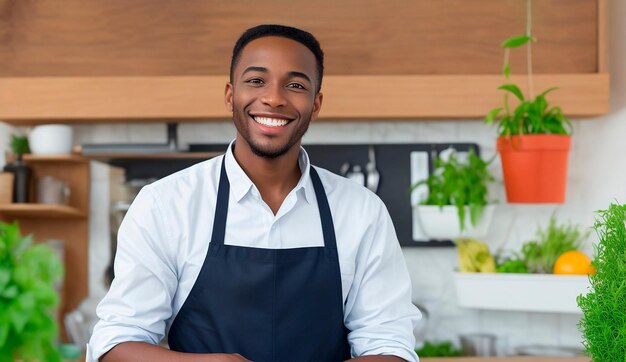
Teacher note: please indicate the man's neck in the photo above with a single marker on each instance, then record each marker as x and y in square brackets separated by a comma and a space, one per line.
[273, 177]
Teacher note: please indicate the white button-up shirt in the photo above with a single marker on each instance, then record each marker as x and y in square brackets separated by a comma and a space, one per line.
[165, 235]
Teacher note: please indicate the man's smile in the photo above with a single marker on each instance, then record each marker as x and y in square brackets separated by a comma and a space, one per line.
[271, 120]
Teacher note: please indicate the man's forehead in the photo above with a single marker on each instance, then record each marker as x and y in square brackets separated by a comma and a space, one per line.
[265, 49]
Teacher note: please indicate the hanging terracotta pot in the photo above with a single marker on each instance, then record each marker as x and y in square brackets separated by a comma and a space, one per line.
[535, 167]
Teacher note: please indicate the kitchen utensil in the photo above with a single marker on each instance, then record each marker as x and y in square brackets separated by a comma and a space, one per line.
[343, 170]
[478, 344]
[373, 176]
[356, 175]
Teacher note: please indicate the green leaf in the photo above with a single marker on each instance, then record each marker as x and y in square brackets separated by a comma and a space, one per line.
[5, 277]
[491, 116]
[506, 70]
[10, 292]
[512, 88]
[544, 93]
[4, 332]
[18, 319]
[516, 41]
[45, 294]
[26, 301]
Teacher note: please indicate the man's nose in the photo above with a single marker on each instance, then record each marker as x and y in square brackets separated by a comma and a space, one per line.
[274, 96]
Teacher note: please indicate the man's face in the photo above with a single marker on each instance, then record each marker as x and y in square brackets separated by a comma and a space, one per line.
[273, 95]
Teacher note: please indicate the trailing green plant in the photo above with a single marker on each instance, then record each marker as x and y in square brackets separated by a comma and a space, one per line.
[530, 116]
[541, 254]
[603, 324]
[19, 145]
[460, 184]
[439, 349]
[28, 273]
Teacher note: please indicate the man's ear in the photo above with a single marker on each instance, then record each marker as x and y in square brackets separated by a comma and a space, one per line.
[317, 105]
[228, 97]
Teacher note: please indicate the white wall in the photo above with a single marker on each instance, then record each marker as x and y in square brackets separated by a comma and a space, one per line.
[597, 176]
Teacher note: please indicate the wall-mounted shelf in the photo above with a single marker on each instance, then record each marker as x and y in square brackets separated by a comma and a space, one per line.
[521, 292]
[43, 211]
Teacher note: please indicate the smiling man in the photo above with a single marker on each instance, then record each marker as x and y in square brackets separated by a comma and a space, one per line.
[258, 255]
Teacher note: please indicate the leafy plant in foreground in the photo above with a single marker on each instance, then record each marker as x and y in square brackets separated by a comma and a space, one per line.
[603, 324]
[27, 296]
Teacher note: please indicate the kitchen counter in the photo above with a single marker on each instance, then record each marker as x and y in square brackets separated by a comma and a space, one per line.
[508, 359]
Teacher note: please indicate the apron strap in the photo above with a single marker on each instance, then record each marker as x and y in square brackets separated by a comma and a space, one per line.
[221, 207]
[328, 228]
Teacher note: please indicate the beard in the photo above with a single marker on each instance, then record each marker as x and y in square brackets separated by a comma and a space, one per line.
[269, 151]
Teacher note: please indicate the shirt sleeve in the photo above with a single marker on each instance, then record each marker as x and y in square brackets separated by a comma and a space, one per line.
[140, 298]
[379, 312]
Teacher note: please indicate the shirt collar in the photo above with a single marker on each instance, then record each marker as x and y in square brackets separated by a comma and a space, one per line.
[240, 183]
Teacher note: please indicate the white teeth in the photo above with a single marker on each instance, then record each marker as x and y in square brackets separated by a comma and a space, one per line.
[271, 122]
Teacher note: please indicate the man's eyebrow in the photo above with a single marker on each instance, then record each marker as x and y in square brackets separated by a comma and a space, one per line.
[294, 74]
[255, 69]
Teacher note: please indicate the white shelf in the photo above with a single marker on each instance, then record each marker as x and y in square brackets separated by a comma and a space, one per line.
[521, 292]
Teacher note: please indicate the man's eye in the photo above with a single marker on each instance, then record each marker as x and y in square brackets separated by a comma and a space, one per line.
[254, 81]
[296, 85]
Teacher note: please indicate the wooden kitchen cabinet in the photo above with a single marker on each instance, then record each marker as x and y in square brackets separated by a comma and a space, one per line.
[68, 223]
[123, 61]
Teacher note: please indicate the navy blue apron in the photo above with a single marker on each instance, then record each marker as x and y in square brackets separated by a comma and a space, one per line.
[266, 304]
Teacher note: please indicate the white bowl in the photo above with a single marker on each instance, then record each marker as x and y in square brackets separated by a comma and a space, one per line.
[50, 139]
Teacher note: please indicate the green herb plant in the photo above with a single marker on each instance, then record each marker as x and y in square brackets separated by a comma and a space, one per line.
[438, 349]
[603, 324]
[541, 254]
[530, 116]
[19, 145]
[459, 183]
[515, 264]
[28, 273]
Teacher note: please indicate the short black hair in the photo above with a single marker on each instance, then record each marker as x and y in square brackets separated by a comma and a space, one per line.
[261, 31]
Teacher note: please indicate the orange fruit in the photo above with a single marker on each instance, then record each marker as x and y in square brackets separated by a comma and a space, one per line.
[573, 262]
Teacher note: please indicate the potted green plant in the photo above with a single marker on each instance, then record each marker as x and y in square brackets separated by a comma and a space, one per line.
[458, 203]
[19, 169]
[28, 273]
[534, 138]
[603, 323]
